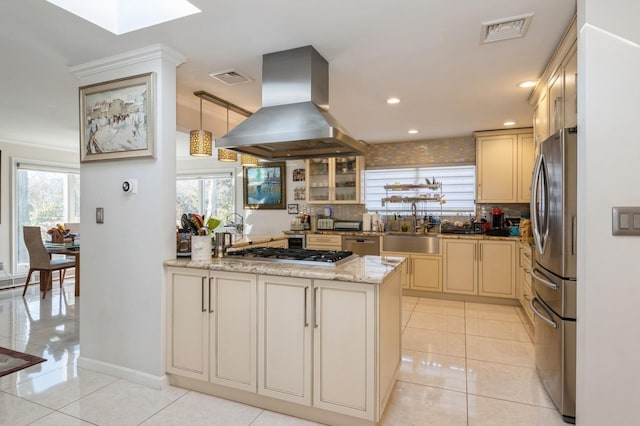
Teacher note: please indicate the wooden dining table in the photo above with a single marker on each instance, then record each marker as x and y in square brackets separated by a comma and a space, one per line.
[68, 249]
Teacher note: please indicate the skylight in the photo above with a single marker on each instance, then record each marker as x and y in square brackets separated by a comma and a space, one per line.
[123, 16]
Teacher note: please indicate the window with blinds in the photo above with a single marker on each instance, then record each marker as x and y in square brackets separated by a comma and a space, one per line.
[458, 188]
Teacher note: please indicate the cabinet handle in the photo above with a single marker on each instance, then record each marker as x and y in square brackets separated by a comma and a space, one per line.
[306, 323]
[480, 252]
[315, 307]
[210, 310]
[202, 294]
[556, 101]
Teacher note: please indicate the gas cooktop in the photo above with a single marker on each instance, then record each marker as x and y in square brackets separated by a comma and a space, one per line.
[295, 256]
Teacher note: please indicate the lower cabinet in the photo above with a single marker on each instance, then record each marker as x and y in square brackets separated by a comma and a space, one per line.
[324, 344]
[420, 271]
[212, 327]
[525, 293]
[339, 320]
[479, 267]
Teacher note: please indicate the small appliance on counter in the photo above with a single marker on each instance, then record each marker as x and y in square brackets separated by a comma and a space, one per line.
[325, 224]
[346, 225]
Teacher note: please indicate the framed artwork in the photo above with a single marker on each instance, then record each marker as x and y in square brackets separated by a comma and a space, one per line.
[264, 186]
[292, 209]
[117, 119]
[298, 175]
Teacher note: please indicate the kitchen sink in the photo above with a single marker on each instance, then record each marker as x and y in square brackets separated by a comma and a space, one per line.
[406, 242]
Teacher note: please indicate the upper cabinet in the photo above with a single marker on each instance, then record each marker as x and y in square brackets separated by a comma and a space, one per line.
[555, 97]
[334, 180]
[504, 162]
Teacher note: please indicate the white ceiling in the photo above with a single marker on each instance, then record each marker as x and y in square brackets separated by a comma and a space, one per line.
[426, 52]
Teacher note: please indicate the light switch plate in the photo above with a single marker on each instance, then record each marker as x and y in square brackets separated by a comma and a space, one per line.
[625, 220]
[99, 215]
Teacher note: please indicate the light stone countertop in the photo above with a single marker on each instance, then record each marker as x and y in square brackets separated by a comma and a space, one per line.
[363, 269]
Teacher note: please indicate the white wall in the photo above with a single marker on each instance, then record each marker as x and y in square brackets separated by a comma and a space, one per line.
[608, 175]
[122, 291]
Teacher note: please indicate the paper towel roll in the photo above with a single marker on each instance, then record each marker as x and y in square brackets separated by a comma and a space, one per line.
[366, 222]
[375, 221]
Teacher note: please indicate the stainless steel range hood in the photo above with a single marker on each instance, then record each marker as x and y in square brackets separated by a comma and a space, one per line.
[294, 122]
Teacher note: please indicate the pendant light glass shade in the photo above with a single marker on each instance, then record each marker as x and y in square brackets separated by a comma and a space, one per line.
[227, 155]
[200, 141]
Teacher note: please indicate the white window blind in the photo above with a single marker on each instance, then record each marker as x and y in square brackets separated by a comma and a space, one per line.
[458, 188]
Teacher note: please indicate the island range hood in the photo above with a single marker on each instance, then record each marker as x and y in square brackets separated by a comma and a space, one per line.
[294, 122]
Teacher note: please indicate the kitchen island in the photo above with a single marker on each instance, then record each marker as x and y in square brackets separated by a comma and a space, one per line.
[317, 342]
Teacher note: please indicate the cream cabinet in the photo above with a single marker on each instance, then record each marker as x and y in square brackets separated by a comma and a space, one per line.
[344, 348]
[420, 271]
[284, 339]
[324, 241]
[286, 342]
[479, 267]
[555, 97]
[212, 332]
[504, 162]
[525, 293]
[334, 180]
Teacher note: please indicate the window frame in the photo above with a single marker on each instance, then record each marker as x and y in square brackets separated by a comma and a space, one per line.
[208, 174]
[18, 164]
[420, 172]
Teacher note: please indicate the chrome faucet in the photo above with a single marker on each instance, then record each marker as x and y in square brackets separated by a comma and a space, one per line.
[414, 213]
[239, 227]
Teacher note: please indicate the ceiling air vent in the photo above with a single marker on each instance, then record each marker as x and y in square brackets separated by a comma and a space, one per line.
[231, 77]
[505, 29]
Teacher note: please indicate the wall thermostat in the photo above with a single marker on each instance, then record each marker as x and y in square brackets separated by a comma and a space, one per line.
[130, 186]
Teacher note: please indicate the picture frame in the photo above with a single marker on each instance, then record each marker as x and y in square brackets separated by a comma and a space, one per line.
[292, 209]
[264, 186]
[117, 119]
[298, 175]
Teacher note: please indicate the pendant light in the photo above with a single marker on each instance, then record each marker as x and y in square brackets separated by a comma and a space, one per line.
[248, 160]
[225, 154]
[200, 140]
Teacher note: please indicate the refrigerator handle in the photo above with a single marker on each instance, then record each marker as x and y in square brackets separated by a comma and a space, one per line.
[534, 274]
[534, 211]
[549, 322]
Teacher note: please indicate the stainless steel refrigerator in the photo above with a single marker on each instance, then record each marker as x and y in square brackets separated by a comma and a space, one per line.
[553, 220]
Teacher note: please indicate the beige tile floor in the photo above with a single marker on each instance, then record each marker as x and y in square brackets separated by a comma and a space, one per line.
[462, 364]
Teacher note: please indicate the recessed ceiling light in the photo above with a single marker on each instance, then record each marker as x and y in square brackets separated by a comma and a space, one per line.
[123, 16]
[527, 84]
[412, 131]
[393, 101]
[509, 123]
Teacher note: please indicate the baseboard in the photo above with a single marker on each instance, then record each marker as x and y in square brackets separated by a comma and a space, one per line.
[135, 376]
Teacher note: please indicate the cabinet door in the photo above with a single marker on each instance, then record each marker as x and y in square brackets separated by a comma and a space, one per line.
[526, 160]
[427, 272]
[284, 338]
[188, 319]
[233, 330]
[319, 180]
[497, 267]
[541, 121]
[570, 90]
[556, 112]
[344, 348]
[460, 272]
[347, 180]
[496, 159]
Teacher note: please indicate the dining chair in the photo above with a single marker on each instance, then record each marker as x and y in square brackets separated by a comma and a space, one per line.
[40, 260]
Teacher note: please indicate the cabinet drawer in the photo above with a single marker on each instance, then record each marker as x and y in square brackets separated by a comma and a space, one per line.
[324, 242]
[525, 258]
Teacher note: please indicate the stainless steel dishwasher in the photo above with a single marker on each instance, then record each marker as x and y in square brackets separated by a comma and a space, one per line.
[361, 246]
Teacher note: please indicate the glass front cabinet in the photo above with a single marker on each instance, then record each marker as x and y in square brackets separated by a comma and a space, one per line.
[334, 180]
